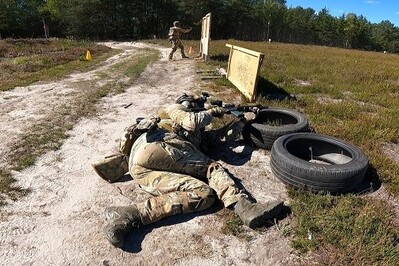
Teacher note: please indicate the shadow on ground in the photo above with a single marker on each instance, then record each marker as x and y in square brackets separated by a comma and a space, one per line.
[135, 238]
[234, 153]
[220, 57]
[370, 183]
[271, 91]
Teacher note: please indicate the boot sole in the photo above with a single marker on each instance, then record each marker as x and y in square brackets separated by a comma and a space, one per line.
[108, 215]
[100, 173]
[267, 215]
[111, 238]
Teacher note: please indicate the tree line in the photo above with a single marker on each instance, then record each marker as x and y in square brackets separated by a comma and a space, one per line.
[254, 20]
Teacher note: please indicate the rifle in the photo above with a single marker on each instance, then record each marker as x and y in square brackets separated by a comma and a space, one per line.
[236, 110]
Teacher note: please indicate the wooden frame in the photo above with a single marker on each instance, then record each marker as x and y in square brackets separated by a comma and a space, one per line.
[205, 36]
[243, 70]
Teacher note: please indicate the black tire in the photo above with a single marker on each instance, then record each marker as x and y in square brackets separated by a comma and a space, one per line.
[318, 163]
[272, 123]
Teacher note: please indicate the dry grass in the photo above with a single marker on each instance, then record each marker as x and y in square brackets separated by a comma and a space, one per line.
[352, 95]
[25, 61]
[49, 132]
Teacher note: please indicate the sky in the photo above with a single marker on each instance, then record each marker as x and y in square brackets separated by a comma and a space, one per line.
[373, 10]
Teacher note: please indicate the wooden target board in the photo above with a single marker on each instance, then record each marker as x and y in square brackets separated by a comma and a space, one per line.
[205, 36]
[243, 70]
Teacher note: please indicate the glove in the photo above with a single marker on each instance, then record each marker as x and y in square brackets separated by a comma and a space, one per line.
[148, 124]
[249, 116]
[217, 111]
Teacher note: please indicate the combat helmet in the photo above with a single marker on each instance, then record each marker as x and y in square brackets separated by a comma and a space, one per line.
[176, 23]
[191, 101]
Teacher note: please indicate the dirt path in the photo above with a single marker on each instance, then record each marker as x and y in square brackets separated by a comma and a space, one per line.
[60, 222]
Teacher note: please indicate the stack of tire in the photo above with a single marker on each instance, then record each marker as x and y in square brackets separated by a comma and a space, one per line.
[311, 161]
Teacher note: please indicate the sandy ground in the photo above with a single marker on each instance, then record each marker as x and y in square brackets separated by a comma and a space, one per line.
[61, 221]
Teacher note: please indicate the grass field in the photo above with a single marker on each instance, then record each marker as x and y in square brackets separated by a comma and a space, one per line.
[50, 132]
[348, 94]
[24, 61]
[352, 95]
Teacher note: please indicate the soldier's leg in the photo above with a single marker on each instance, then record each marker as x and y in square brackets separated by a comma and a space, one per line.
[252, 214]
[173, 155]
[173, 194]
[223, 184]
[174, 48]
[181, 47]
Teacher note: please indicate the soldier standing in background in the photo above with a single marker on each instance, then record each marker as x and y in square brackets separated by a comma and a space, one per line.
[164, 158]
[174, 38]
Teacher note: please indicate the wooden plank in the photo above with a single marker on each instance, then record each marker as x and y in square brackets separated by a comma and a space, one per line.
[211, 77]
[243, 70]
[205, 71]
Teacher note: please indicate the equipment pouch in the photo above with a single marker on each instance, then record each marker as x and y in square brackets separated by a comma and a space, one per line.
[128, 137]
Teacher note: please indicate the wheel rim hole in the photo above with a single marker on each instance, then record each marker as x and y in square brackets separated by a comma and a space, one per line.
[319, 153]
[276, 119]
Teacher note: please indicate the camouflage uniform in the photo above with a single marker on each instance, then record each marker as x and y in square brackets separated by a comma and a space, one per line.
[172, 169]
[174, 38]
[164, 158]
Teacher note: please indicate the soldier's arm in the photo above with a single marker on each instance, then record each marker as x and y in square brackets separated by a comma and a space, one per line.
[189, 120]
[181, 30]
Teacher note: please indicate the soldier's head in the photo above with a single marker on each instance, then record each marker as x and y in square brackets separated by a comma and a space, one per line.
[176, 23]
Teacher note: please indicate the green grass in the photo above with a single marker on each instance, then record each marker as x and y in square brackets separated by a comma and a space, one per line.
[49, 133]
[352, 95]
[25, 61]
[345, 230]
[7, 187]
[232, 224]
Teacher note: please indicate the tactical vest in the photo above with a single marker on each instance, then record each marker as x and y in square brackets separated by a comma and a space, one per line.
[129, 136]
[173, 32]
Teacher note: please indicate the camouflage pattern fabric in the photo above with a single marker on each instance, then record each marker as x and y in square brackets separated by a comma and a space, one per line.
[175, 172]
[112, 167]
[188, 124]
[170, 166]
[176, 32]
[176, 43]
[127, 139]
[174, 38]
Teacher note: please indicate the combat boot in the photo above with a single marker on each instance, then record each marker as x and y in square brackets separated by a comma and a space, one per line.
[255, 214]
[183, 54]
[121, 220]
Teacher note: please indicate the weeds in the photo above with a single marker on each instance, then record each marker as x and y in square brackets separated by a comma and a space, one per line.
[7, 187]
[346, 230]
[49, 133]
[232, 225]
[352, 95]
[334, 230]
[25, 61]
